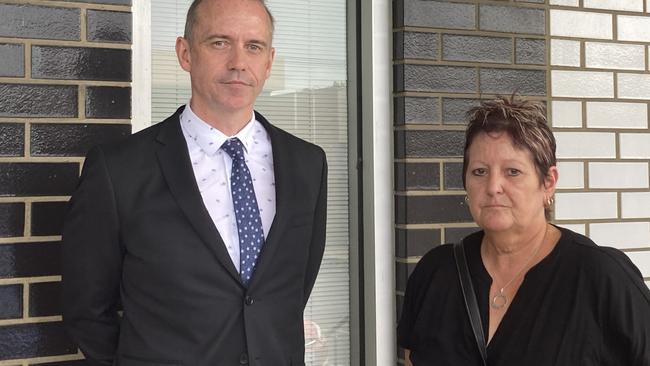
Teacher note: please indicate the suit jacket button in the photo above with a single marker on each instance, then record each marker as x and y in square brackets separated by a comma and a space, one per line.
[249, 300]
[243, 359]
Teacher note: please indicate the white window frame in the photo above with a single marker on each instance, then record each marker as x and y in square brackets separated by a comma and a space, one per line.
[378, 258]
[141, 66]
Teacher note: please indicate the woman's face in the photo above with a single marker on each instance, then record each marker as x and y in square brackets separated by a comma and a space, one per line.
[504, 190]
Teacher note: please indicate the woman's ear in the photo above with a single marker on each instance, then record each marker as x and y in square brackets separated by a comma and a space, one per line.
[550, 181]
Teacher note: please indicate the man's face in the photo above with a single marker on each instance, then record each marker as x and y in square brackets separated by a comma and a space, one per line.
[229, 56]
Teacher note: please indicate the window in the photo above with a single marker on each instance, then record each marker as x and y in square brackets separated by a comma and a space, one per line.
[307, 96]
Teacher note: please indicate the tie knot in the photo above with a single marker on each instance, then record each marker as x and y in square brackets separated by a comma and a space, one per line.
[234, 148]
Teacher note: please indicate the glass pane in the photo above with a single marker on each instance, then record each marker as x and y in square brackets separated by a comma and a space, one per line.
[307, 96]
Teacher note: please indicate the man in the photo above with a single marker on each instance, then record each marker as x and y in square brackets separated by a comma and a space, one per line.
[208, 228]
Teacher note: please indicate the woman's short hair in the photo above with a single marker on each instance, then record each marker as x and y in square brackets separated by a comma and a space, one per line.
[525, 122]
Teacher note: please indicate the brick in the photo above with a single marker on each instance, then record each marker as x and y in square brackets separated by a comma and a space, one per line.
[564, 2]
[454, 234]
[109, 26]
[618, 175]
[454, 110]
[12, 136]
[402, 273]
[530, 51]
[73, 139]
[415, 242]
[585, 145]
[617, 115]
[30, 259]
[621, 235]
[578, 228]
[512, 19]
[429, 144]
[569, 23]
[615, 56]
[508, 81]
[635, 205]
[12, 59]
[414, 176]
[453, 176]
[417, 110]
[642, 261]
[571, 175]
[11, 301]
[432, 78]
[624, 5]
[108, 102]
[12, 219]
[633, 86]
[474, 48]
[44, 299]
[585, 205]
[438, 14]
[633, 28]
[113, 2]
[17, 100]
[34, 340]
[26, 21]
[38, 179]
[416, 45]
[431, 209]
[47, 218]
[566, 114]
[635, 145]
[81, 63]
[582, 84]
[399, 304]
[565, 52]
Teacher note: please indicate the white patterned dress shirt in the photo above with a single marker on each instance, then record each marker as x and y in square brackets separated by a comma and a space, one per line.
[212, 168]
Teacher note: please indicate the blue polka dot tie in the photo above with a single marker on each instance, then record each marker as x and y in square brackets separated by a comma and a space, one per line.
[249, 222]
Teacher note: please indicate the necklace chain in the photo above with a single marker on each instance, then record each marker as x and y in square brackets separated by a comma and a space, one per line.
[500, 300]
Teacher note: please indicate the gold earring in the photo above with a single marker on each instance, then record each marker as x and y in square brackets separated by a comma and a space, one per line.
[549, 201]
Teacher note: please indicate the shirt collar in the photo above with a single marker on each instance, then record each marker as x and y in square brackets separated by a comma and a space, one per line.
[209, 138]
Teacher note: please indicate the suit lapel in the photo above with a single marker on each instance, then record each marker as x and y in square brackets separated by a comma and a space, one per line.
[283, 187]
[175, 164]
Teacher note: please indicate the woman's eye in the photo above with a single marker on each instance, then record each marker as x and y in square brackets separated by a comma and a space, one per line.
[513, 172]
[479, 172]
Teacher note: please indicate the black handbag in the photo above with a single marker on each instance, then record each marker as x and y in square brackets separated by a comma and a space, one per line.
[471, 305]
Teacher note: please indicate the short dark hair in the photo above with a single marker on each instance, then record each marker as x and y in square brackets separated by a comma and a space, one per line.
[192, 15]
[525, 122]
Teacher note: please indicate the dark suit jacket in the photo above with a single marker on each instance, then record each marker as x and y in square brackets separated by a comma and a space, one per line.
[137, 231]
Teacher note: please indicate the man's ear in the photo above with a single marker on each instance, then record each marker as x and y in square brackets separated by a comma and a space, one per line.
[270, 65]
[183, 53]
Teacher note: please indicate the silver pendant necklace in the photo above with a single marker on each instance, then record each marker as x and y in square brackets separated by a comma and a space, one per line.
[500, 300]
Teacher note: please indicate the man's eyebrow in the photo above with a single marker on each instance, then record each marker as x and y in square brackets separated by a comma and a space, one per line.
[219, 36]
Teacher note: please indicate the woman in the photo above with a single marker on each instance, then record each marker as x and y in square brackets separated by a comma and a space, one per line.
[546, 295]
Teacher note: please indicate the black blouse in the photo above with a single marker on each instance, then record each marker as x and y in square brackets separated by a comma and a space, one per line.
[582, 305]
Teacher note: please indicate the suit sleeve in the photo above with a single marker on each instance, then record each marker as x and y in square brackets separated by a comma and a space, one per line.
[92, 264]
[317, 245]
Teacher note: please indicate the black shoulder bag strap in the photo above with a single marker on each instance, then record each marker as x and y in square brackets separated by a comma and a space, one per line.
[471, 305]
